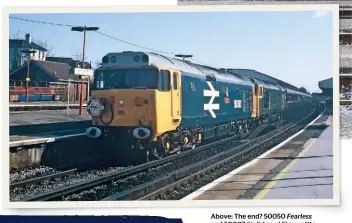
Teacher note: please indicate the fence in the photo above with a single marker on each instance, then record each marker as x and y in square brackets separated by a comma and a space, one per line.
[45, 91]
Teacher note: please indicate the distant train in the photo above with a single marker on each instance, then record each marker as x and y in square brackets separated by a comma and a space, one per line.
[164, 105]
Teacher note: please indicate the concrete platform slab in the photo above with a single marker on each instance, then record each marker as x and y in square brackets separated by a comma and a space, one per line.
[308, 176]
[18, 141]
[252, 178]
[42, 103]
[46, 116]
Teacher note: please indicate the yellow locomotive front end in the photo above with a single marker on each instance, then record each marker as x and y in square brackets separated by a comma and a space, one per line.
[134, 105]
[125, 108]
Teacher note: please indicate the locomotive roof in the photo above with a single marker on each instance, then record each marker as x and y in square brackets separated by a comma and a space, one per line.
[240, 76]
[267, 79]
[126, 59]
[261, 76]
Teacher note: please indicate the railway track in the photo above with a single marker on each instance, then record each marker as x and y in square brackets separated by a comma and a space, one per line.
[42, 179]
[163, 164]
[149, 180]
[180, 183]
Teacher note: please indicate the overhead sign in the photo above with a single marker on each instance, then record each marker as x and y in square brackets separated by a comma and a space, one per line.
[84, 72]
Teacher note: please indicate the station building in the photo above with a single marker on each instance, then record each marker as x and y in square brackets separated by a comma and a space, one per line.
[326, 87]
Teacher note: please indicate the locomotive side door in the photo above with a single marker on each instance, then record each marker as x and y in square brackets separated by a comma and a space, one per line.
[255, 101]
[258, 91]
[260, 99]
[283, 101]
[175, 96]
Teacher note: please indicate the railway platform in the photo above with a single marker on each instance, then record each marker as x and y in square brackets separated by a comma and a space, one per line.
[42, 138]
[40, 127]
[299, 168]
[42, 105]
[46, 116]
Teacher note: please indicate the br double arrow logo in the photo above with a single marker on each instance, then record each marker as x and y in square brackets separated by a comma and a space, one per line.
[211, 93]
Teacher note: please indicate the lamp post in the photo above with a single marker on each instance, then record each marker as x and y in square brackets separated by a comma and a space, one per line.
[83, 29]
[28, 52]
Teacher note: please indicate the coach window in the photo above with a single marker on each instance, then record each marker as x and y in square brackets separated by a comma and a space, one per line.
[174, 80]
[164, 80]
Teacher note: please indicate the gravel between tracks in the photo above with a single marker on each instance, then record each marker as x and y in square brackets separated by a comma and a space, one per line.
[102, 191]
[20, 193]
[186, 188]
[18, 175]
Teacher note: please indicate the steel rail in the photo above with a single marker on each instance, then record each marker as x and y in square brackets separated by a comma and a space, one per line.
[177, 177]
[75, 188]
[41, 179]
[120, 174]
[124, 173]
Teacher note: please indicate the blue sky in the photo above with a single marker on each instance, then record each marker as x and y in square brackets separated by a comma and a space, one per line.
[293, 46]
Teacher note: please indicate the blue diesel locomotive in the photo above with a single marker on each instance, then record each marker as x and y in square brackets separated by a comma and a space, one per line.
[164, 105]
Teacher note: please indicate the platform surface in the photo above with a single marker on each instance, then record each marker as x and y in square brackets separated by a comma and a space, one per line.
[309, 176]
[300, 167]
[46, 116]
[40, 136]
[43, 103]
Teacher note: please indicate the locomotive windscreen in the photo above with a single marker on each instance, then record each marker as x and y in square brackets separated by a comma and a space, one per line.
[127, 79]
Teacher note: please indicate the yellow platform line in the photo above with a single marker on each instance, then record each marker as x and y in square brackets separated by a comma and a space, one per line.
[273, 182]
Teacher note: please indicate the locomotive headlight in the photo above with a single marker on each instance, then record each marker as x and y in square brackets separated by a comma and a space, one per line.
[93, 132]
[113, 59]
[137, 58]
[141, 133]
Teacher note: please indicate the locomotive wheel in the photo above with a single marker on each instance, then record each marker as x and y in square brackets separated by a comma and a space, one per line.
[158, 154]
[147, 156]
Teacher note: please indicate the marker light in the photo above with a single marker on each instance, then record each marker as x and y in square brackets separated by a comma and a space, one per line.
[137, 58]
[113, 59]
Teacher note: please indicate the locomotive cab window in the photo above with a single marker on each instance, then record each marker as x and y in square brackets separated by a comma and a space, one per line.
[164, 80]
[127, 79]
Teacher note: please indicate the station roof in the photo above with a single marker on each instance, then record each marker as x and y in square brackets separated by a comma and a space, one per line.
[325, 84]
